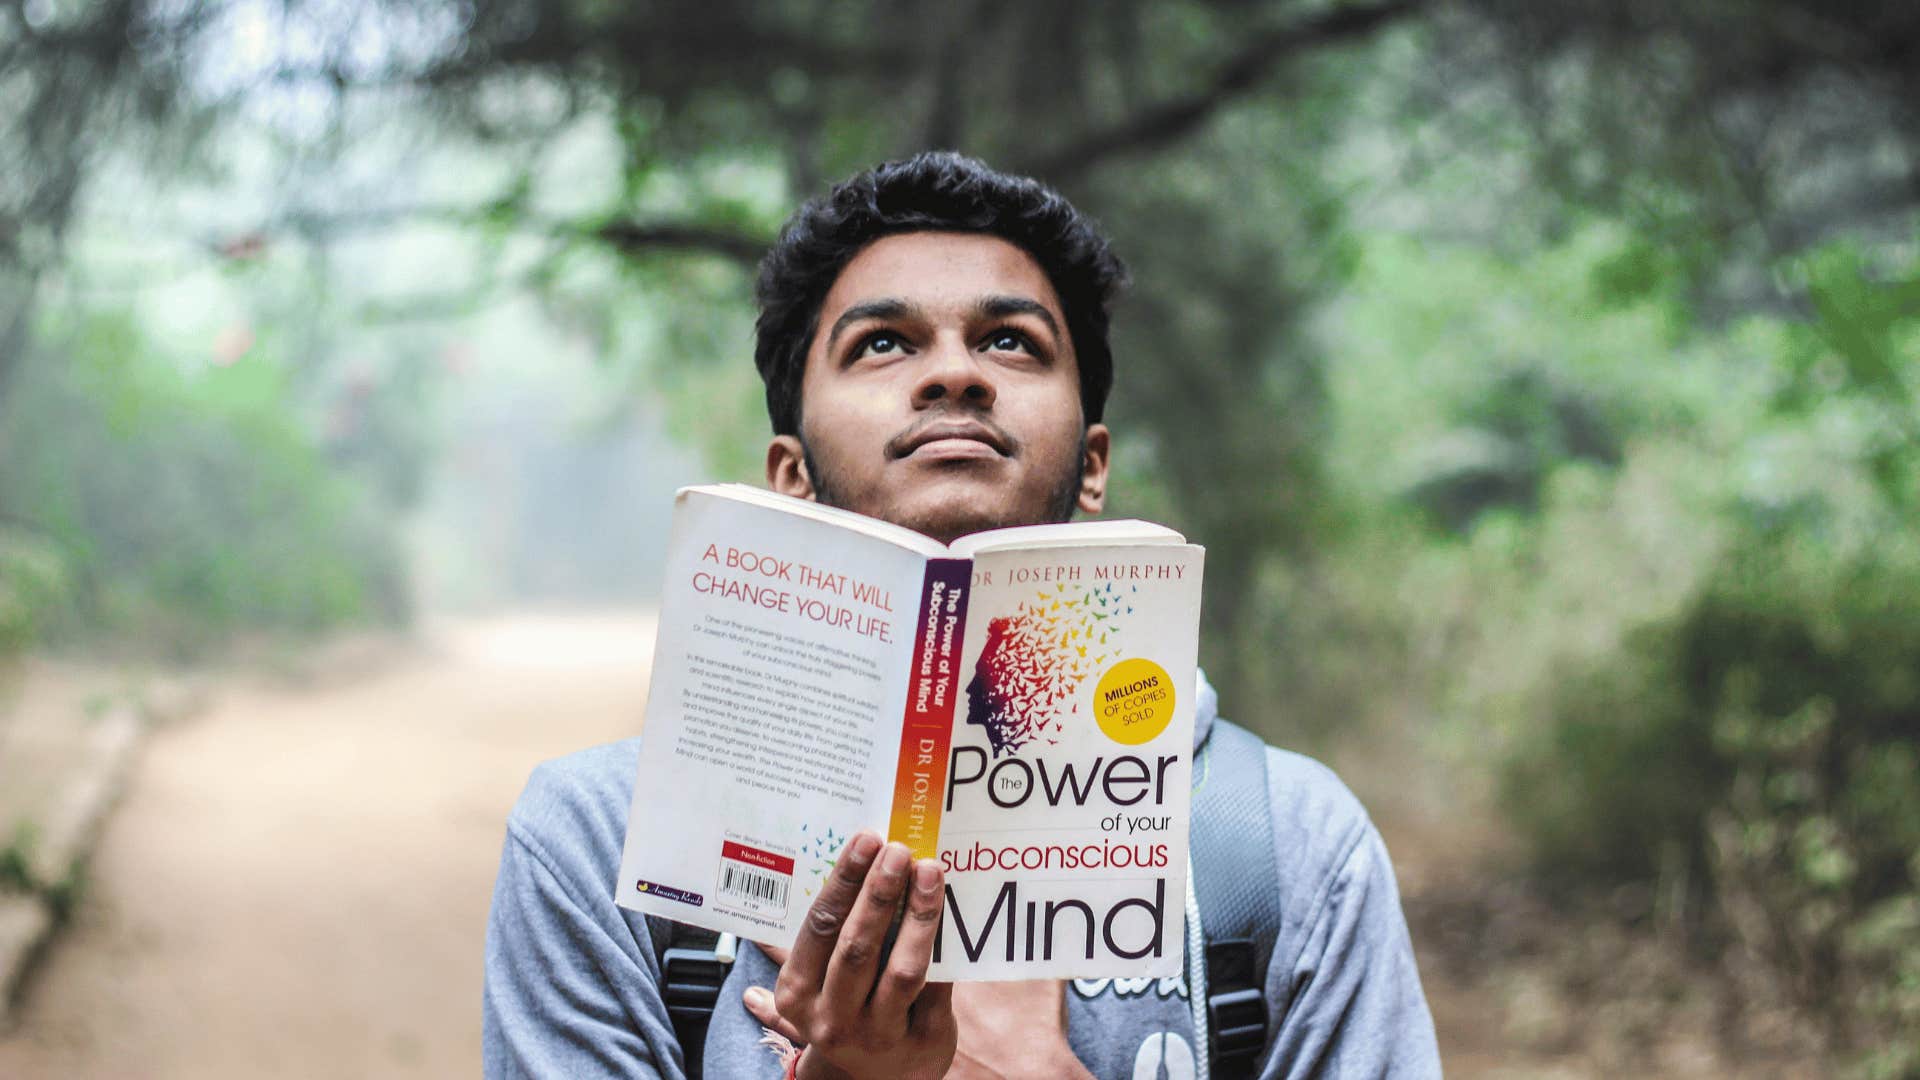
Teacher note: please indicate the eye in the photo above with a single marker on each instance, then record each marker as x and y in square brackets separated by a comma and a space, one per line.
[878, 344]
[1008, 341]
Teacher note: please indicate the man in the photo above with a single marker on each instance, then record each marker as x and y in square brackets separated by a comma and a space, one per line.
[933, 337]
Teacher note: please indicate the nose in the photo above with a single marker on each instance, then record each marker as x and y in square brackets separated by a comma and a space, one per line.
[953, 375]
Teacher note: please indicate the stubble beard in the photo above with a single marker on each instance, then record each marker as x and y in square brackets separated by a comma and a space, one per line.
[1061, 503]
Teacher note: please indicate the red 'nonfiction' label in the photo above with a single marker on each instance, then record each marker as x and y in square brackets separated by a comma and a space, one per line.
[753, 856]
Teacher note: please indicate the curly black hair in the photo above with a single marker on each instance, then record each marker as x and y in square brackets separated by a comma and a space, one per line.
[935, 191]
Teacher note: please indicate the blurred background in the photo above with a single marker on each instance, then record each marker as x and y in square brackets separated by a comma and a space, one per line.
[1540, 375]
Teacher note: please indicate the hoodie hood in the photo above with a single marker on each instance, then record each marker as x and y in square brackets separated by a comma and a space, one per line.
[1206, 706]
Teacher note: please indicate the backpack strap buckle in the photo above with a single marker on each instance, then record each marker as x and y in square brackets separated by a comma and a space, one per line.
[692, 972]
[1236, 1008]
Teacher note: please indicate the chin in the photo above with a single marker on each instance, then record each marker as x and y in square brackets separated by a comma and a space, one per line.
[950, 500]
[948, 511]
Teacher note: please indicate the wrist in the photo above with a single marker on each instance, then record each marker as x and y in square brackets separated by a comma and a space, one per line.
[1060, 1064]
[1053, 1062]
[811, 1066]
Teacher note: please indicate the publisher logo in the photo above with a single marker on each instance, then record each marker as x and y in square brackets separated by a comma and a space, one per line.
[1134, 701]
[667, 892]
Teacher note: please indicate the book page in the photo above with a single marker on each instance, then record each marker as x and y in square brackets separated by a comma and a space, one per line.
[860, 523]
[1123, 531]
[1064, 831]
[774, 716]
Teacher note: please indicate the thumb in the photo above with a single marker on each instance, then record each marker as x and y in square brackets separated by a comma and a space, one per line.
[759, 1002]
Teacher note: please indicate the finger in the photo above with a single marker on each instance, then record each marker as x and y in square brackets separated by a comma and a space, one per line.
[906, 970]
[772, 952]
[933, 1010]
[857, 957]
[759, 1002]
[806, 968]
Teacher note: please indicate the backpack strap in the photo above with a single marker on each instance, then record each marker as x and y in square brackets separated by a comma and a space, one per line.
[1236, 882]
[693, 965]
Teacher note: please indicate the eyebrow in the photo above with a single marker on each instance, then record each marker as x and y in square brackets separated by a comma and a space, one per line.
[887, 308]
[999, 307]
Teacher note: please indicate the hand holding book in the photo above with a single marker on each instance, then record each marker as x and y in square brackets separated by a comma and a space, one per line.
[860, 1009]
[1013, 1029]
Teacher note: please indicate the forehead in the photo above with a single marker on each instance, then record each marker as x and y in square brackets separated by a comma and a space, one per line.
[939, 270]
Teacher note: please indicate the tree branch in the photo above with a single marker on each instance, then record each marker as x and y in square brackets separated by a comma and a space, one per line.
[1169, 121]
[629, 237]
[626, 236]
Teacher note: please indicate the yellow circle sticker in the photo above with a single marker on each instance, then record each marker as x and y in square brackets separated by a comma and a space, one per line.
[1134, 701]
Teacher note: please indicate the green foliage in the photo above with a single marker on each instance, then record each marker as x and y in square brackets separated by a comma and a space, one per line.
[1621, 774]
[1520, 428]
[62, 897]
[1676, 607]
[1860, 348]
[34, 584]
[1440, 343]
[1768, 735]
[186, 505]
[697, 353]
[16, 859]
[1759, 746]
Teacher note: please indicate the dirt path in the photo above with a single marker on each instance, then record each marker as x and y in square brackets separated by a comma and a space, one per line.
[297, 882]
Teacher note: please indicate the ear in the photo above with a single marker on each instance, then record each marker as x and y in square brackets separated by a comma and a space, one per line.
[1093, 469]
[787, 468]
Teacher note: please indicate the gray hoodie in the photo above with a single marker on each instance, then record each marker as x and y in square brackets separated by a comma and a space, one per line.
[572, 979]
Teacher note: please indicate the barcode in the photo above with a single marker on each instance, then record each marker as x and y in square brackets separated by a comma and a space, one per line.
[757, 886]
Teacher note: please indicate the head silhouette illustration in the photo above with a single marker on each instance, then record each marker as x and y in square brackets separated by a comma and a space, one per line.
[1019, 682]
[989, 702]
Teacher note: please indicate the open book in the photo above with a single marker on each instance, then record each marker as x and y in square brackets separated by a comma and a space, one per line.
[1018, 704]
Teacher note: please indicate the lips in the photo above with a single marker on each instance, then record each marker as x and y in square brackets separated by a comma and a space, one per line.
[950, 438]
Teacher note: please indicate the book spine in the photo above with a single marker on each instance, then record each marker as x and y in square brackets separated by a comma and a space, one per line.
[926, 739]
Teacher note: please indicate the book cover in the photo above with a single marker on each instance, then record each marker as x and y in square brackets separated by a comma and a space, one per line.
[1064, 832]
[1018, 706]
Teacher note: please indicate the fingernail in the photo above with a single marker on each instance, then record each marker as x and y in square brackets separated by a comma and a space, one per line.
[862, 849]
[895, 860]
[757, 997]
[926, 876]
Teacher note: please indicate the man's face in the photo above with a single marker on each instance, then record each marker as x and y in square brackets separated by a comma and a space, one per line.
[941, 392]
